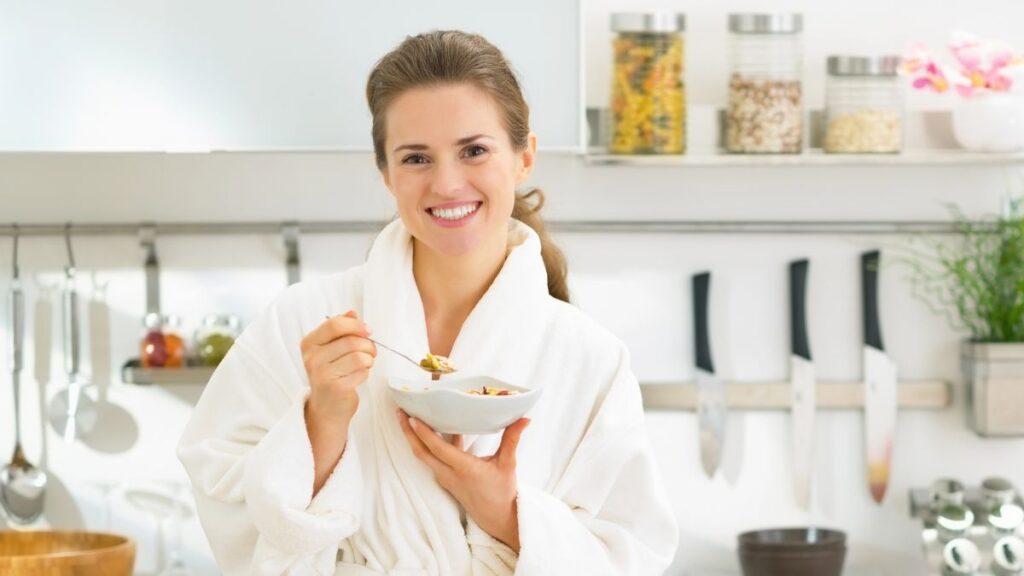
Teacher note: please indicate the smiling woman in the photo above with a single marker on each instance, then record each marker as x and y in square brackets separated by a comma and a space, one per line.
[302, 462]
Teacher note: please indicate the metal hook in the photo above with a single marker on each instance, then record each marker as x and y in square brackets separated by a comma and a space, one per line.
[17, 232]
[71, 254]
[147, 238]
[290, 230]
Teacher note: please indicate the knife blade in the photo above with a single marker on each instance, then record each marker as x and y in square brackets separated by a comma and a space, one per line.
[880, 392]
[802, 383]
[710, 392]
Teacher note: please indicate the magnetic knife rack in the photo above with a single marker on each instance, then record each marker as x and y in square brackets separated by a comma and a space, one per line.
[927, 395]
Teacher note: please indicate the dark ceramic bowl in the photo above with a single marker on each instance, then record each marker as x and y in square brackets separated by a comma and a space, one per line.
[792, 552]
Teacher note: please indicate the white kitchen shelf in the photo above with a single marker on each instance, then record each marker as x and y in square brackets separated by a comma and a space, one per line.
[812, 157]
[918, 394]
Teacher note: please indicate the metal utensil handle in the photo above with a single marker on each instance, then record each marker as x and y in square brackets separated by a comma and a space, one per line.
[18, 334]
[385, 346]
[71, 339]
[393, 350]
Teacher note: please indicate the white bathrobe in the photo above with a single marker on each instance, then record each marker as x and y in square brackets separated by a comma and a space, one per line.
[590, 497]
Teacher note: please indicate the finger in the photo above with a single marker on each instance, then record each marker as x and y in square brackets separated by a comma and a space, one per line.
[327, 353]
[506, 454]
[336, 327]
[456, 441]
[419, 449]
[347, 364]
[442, 450]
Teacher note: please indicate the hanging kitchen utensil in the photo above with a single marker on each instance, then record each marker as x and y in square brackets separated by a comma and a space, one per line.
[41, 335]
[99, 339]
[72, 412]
[22, 485]
[710, 391]
[801, 374]
[879, 384]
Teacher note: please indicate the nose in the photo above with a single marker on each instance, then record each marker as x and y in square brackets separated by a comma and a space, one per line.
[448, 180]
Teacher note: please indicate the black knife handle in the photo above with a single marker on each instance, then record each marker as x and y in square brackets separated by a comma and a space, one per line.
[701, 287]
[799, 343]
[869, 262]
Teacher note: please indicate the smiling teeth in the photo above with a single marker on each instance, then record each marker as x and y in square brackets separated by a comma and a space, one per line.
[454, 213]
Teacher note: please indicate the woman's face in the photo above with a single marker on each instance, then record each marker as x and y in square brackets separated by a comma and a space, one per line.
[451, 167]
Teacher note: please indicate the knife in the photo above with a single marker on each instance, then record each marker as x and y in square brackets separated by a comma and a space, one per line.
[879, 384]
[801, 374]
[710, 392]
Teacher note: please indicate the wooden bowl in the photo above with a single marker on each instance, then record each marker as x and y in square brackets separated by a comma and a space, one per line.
[45, 553]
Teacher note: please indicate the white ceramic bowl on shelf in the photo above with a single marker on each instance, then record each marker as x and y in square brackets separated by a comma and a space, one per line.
[447, 406]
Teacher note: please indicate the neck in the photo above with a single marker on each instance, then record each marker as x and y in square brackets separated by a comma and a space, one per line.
[450, 287]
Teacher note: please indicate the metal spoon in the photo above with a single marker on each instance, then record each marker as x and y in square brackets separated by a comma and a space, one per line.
[22, 485]
[435, 374]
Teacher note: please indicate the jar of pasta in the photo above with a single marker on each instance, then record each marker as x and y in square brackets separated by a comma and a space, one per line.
[863, 105]
[648, 107]
[765, 109]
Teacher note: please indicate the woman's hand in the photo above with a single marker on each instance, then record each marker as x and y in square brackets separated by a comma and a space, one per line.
[337, 359]
[486, 487]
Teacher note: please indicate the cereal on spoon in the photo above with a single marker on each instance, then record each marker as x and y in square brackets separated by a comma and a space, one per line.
[437, 365]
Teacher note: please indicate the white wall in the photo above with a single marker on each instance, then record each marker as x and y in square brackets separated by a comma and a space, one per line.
[635, 284]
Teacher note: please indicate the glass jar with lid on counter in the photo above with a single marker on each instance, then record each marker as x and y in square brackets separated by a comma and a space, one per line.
[765, 109]
[864, 105]
[215, 337]
[648, 107]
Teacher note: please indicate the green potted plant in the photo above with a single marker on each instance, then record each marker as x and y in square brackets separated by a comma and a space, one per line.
[977, 281]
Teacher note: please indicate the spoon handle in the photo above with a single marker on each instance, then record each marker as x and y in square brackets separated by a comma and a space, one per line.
[385, 346]
[393, 350]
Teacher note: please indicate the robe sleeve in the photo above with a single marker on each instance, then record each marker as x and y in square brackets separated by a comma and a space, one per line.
[609, 512]
[249, 457]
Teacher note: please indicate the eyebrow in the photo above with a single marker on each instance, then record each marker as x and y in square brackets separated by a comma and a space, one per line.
[459, 142]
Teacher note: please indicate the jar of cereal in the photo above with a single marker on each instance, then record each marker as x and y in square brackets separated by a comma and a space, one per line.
[765, 110]
[648, 107]
[863, 105]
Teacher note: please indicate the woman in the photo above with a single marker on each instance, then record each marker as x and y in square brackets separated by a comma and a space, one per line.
[300, 461]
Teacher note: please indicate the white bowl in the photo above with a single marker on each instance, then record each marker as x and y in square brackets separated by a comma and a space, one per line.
[447, 407]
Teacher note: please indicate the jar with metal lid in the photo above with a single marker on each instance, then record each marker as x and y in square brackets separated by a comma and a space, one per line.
[215, 337]
[953, 521]
[864, 105]
[1008, 557]
[960, 557]
[648, 102]
[765, 109]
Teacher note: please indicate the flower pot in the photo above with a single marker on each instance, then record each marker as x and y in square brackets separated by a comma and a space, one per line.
[994, 376]
[990, 122]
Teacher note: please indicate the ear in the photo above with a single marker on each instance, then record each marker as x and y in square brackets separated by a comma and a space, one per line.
[387, 179]
[527, 158]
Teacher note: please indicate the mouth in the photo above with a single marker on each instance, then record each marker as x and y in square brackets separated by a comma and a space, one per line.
[454, 213]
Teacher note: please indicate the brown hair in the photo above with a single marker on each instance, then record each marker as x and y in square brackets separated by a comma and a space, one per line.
[453, 57]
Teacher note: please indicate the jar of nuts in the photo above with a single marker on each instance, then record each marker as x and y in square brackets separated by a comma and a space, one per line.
[765, 110]
[863, 105]
[648, 107]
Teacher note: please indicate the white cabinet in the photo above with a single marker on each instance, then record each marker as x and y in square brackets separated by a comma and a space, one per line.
[101, 75]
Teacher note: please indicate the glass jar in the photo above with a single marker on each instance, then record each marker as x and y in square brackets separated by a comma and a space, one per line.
[648, 107]
[173, 342]
[215, 337]
[153, 346]
[863, 105]
[765, 110]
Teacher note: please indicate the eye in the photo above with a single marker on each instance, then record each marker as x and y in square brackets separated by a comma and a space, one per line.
[414, 159]
[474, 150]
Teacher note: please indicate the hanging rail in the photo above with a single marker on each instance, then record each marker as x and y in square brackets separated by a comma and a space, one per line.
[818, 227]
